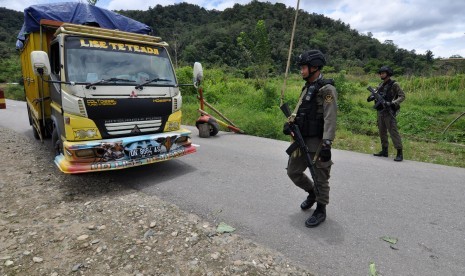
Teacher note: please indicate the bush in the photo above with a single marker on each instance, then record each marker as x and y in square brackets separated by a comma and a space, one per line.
[344, 89]
[270, 96]
[185, 76]
[15, 92]
[10, 70]
[424, 115]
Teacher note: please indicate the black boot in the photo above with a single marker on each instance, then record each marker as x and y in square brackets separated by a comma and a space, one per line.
[383, 152]
[399, 156]
[308, 203]
[318, 216]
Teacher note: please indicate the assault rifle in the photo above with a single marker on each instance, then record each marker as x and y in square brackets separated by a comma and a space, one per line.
[380, 102]
[300, 143]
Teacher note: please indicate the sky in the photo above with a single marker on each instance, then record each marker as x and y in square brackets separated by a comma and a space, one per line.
[418, 25]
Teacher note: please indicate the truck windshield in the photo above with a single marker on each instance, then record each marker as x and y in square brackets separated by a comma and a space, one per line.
[90, 60]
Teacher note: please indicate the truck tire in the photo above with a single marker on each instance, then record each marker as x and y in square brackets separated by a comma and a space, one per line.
[29, 114]
[34, 130]
[35, 133]
[43, 130]
[56, 142]
[45, 133]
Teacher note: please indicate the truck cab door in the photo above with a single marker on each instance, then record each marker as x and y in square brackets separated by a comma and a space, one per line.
[56, 68]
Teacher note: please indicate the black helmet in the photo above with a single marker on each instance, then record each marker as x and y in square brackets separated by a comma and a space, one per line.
[386, 69]
[312, 58]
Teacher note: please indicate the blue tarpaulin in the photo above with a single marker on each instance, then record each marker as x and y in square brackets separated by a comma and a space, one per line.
[77, 13]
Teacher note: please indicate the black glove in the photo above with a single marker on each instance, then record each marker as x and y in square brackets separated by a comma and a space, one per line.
[286, 129]
[370, 98]
[388, 104]
[325, 152]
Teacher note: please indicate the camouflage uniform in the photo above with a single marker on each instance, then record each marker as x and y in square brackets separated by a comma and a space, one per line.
[387, 122]
[326, 98]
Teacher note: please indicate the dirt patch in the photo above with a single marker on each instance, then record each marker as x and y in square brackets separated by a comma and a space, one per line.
[57, 224]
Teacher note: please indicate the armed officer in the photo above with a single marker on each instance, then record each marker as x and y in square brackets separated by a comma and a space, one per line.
[315, 115]
[393, 95]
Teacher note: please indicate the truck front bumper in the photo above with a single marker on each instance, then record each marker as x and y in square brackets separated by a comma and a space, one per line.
[121, 153]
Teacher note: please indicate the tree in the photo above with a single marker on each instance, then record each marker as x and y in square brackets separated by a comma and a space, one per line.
[389, 42]
[429, 56]
[257, 50]
[238, 37]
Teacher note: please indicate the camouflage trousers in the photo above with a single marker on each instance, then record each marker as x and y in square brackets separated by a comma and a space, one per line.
[388, 123]
[297, 166]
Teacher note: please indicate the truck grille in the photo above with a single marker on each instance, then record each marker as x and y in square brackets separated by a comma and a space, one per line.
[133, 127]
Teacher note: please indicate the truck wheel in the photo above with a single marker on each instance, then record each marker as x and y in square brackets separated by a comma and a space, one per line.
[34, 130]
[35, 133]
[44, 132]
[56, 142]
[29, 114]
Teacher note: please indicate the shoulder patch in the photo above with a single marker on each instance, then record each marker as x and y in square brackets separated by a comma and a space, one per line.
[329, 98]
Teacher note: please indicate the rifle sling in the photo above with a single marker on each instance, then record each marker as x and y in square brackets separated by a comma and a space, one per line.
[301, 98]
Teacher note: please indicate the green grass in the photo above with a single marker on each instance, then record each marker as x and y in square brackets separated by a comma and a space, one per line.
[431, 104]
[13, 92]
[10, 70]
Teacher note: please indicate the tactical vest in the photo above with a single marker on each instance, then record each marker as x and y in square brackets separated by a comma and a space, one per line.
[309, 120]
[385, 91]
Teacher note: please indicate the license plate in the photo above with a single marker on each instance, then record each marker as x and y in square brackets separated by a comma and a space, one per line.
[143, 152]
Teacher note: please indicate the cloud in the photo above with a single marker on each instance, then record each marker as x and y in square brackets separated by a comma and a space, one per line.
[17, 5]
[412, 24]
[144, 5]
[130, 5]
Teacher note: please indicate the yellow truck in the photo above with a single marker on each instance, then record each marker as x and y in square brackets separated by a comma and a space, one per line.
[108, 99]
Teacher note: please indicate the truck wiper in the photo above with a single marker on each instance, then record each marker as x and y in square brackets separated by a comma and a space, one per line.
[89, 85]
[150, 81]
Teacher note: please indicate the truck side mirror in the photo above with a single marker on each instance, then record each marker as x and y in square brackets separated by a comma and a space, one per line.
[198, 73]
[40, 63]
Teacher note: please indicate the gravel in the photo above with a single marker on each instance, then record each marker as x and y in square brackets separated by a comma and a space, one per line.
[57, 224]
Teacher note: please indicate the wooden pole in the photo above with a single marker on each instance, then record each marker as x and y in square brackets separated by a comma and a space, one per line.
[219, 113]
[233, 128]
[290, 53]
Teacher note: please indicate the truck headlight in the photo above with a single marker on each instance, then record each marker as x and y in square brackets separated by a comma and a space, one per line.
[85, 133]
[171, 126]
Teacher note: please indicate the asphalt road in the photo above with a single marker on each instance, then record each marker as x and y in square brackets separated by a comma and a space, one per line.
[241, 180]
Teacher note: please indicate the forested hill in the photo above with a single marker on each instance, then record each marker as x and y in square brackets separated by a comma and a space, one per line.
[211, 37]
[10, 24]
[197, 34]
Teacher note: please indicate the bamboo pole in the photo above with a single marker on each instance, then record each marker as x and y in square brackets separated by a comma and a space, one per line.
[233, 128]
[290, 53]
[219, 113]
